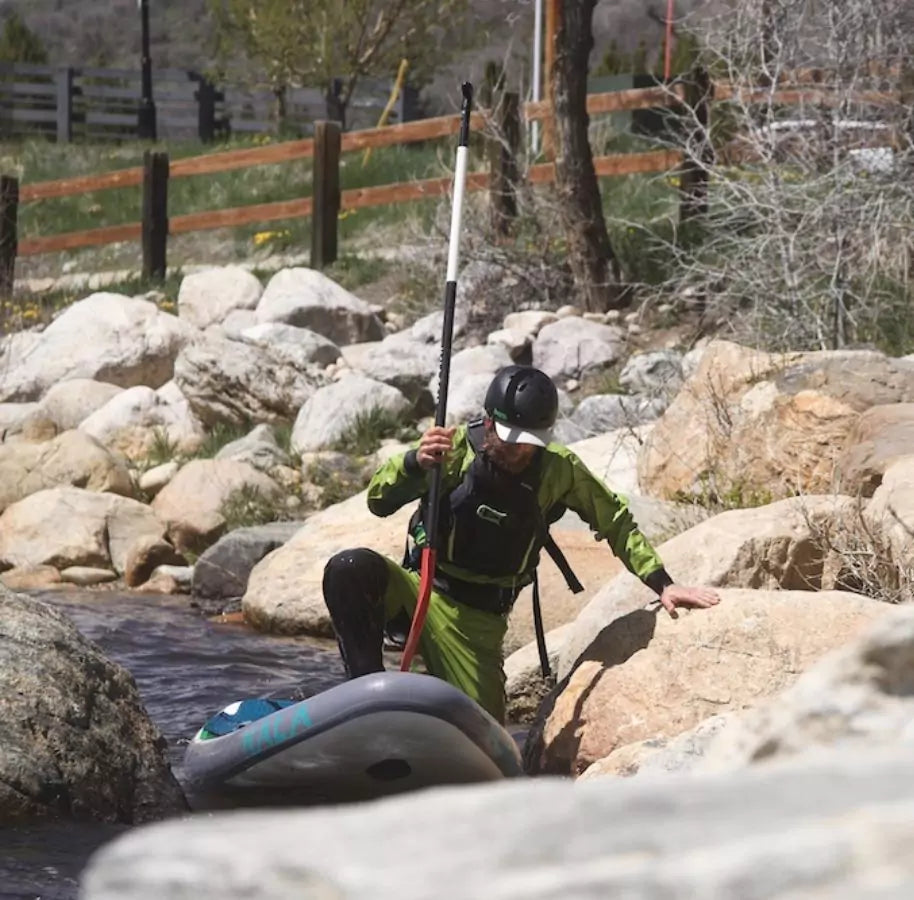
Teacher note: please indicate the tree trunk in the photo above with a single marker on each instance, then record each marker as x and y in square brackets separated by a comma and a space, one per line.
[593, 263]
[336, 103]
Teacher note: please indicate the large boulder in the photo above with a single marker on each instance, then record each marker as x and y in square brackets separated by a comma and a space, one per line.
[333, 410]
[860, 696]
[752, 425]
[131, 420]
[307, 298]
[299, 346]
[72, 458]
[206, 298]
[838, 826]
[770, 548]
[284, 593]
[406, 365]
[122, 340]
[76, 741]
[67, 404]
[233, 382]
[191, 504]
[647, 675]
[66, 526]
[573, 347]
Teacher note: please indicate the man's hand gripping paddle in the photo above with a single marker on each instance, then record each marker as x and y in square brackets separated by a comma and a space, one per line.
[427, 564]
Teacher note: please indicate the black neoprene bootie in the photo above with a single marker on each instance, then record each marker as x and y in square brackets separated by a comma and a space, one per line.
[354, 584]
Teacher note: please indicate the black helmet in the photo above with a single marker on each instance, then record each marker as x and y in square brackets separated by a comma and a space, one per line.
[523, 402]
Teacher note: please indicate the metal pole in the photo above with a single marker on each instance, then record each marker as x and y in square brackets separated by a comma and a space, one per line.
[537, 72]
[146, 115]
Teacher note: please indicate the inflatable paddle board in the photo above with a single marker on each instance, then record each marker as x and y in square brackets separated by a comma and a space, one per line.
[380, 734]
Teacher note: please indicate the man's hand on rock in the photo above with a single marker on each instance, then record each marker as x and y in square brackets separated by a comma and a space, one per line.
[675, 595]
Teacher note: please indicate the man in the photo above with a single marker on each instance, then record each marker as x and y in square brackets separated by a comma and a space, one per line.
[503, 481]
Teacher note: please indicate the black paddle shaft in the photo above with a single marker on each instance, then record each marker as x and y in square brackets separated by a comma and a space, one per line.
[450, 303]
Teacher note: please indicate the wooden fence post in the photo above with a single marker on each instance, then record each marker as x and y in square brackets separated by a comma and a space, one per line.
[504, 149]
[9, 243]
[698, 150]
[155, 214]
[206, 110]
[64, 105]
[325, 193]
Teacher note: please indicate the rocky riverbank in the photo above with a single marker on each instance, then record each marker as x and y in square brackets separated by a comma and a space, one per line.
[783, 480]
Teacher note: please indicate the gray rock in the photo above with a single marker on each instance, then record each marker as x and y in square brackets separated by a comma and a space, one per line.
[221, 573]
[259, 448]
[299, 346]
[237, 383]
[573, 347]
[839, 826]
[76, 740]
[307, 298]
[406, 365]
[601, 413]
[657, 374]
[334, 409]
[206, 298]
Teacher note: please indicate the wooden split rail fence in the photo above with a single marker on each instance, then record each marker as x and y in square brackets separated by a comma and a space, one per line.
[328, 201]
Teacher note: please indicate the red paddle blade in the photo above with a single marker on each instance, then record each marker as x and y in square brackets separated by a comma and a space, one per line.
[426, 577]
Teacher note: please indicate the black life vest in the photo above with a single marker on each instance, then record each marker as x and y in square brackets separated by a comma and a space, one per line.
[491, 523]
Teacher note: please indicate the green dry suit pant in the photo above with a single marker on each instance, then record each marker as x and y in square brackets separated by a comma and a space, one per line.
[364, 590]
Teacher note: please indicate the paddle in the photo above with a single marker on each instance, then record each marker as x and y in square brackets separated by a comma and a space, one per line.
[427, 564]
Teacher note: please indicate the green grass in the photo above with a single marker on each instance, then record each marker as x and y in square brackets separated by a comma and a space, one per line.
[248, 506]
[367, 431]
[36, 161]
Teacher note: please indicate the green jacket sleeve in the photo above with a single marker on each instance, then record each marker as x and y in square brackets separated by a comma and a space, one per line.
[568, 481]
[400, 480]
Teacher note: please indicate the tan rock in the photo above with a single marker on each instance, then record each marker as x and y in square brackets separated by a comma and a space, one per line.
[31, 579]
[149, 552]
[748, 426]
[190, 504]
[68, 526]
[38, 429]
[87, 576]
[880, 436]
[72, 458]
[649, 676]
[160, 583]
[861, 695]
[890, 513]
[769, 547]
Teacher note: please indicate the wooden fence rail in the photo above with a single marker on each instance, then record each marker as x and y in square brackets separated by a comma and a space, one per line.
[328, 200]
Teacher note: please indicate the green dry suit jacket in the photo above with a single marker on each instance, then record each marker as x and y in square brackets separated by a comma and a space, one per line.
[563, 481]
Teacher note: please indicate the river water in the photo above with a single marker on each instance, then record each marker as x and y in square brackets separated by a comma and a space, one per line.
[186, 668]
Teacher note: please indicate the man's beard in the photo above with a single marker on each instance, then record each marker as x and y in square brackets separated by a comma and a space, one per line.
[496, 455]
